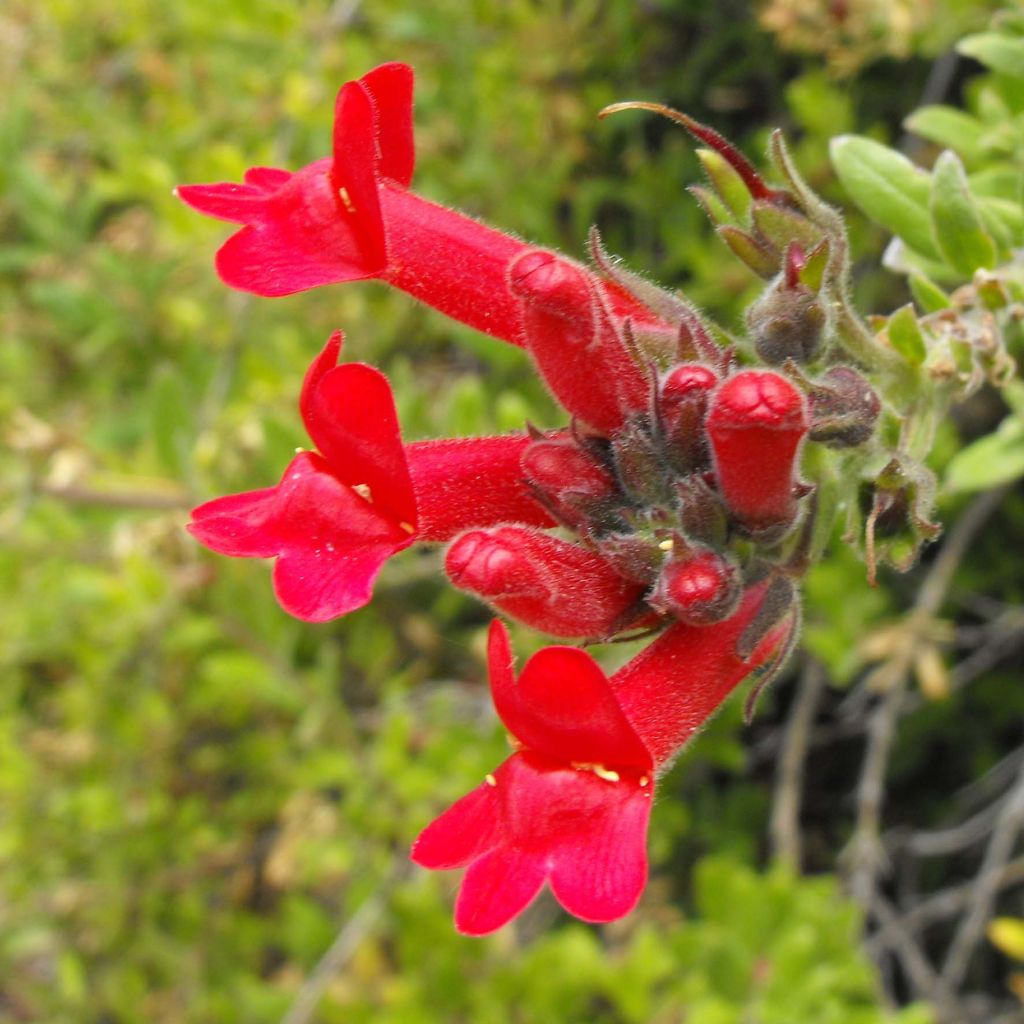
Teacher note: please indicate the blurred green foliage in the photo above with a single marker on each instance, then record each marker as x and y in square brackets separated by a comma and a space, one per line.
[196, 792]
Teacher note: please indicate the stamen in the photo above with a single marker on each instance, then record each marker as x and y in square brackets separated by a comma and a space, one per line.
[346, 199]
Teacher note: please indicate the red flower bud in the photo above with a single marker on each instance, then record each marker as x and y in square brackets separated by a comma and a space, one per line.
[698, 588]
[567, 479]
[756, 423]
[544, 582]
[682, 407]
[574, 341]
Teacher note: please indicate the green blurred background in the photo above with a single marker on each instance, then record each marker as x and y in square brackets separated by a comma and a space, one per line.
[200, 795]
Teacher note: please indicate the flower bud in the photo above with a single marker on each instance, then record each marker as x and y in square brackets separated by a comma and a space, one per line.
[844, 408]
[640, 467]
[575, 342]
[569, 480]
[756, 423]
[546, 583]
[636, 556]
[698, 586]
[787, 323]
[682, 406]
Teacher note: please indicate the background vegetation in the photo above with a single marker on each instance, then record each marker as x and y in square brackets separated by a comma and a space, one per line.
[205, 806]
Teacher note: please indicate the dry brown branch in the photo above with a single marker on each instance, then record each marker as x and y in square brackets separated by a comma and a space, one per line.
[785, 820]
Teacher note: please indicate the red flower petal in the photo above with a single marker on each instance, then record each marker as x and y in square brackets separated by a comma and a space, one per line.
[390, 86]
[300, 238]
[467, 830]
[349, 412]
[496, 888]
[562, 706]
[239, 204]
[585, 833]
[354, 170]
[600, 874]
[330, 543]
[268, 179]
[237, 524]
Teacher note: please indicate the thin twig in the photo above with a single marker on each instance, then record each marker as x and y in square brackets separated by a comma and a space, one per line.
[941, 905]
[919, 971]
[785, 821]
[76, 494]
[347, 941]
[985, 888]
[865, 851]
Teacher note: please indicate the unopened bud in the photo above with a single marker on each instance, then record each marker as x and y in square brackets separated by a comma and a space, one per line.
[634, 556]
[578, 348]
[569, 480]
[682, 407]
[699, 588]
[639, 464]
[552, 283]
[787, 323]
[544, 582]
[756, 424]
[844, 408]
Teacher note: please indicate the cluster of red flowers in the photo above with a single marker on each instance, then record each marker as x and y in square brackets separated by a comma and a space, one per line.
[673, 490]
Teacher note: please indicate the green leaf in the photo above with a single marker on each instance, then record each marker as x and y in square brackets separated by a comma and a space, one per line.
[996, 51]
[995, 459]
[962, 239]
[1003, 219]
[905, 335]
[949, 127]
[929, 296]
[891, 190]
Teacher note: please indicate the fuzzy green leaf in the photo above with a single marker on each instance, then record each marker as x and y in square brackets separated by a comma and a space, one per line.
[891, 190]
[905, 335]
[950, 127]
[929, 296]
[990, 461]
[996, 51]
[963, 241]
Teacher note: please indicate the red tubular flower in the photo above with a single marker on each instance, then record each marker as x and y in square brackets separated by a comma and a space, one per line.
[350, 217]
[570, 808]
[574, 341]
[549, 584]
[756, 424]
[338, 515]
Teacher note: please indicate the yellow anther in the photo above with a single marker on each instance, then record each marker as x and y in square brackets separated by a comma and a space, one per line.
[667, 545]
[363, 490]
[644, 781]
[490, 779]
[346, 199]
[408, 527]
